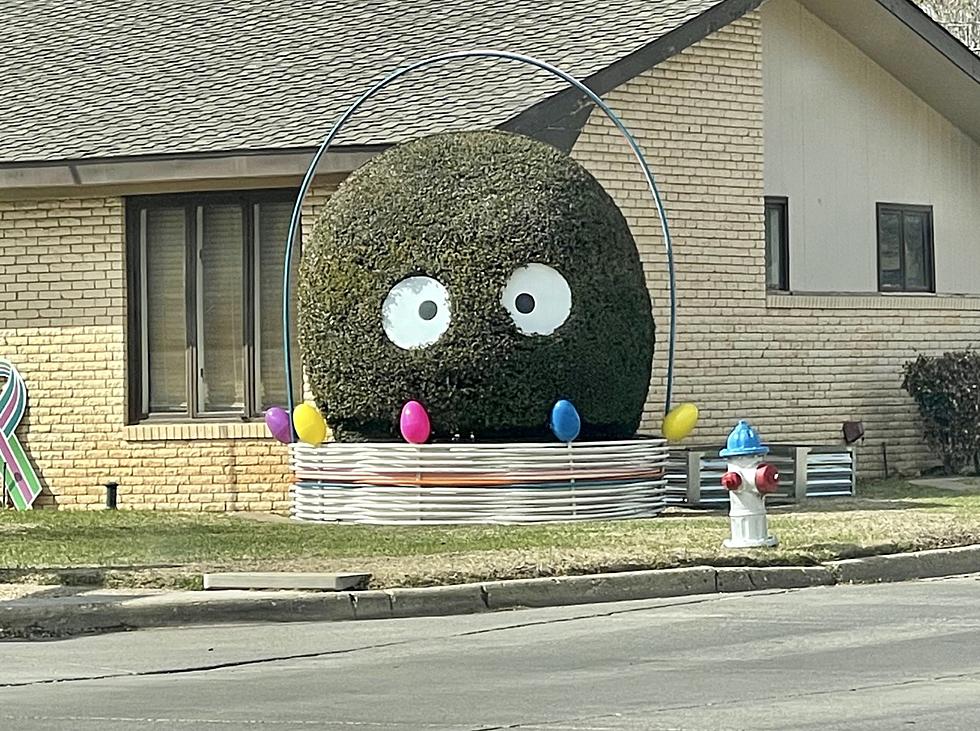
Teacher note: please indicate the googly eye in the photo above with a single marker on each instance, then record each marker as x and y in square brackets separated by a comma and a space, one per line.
[538, 299]
[416, 313]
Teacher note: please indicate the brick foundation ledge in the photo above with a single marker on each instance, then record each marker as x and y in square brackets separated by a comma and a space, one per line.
[172, 432]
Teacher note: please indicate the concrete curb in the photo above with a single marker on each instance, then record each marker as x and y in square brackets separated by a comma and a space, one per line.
[61, 616]
[772, 577]
[567, 590]
[905, 566]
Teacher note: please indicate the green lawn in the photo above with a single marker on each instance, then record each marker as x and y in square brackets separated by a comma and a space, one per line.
[152, 548]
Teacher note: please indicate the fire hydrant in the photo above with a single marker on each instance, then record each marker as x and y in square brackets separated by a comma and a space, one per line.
[748, 481]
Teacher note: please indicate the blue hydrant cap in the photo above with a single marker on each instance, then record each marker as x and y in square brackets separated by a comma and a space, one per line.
[744, 441]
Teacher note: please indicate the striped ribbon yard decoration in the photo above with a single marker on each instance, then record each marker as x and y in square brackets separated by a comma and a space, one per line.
[19, 478]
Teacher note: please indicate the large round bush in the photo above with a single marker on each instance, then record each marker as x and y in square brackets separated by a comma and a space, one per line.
[484, 274]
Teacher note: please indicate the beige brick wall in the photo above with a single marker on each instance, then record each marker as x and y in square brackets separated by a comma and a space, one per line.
[797, 366]
[63, 324]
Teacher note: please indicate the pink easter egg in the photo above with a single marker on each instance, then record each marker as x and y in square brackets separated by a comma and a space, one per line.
[414, 423]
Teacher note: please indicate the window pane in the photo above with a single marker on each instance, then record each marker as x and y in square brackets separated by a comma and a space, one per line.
[220, 342]
[774, 246]
[271, 229]
[163, 248]
[916, 271]
[889, 250]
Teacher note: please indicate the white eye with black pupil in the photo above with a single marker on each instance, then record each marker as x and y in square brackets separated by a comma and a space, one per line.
[416, 312]
[538, 299]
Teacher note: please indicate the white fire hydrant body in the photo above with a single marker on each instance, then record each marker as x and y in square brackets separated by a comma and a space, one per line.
[748, 481]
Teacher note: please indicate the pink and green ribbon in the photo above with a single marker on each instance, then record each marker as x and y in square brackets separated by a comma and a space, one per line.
[19, 477]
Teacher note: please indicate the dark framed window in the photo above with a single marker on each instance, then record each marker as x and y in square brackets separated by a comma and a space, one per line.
[905, 248]
[205, 304]
[777, 243]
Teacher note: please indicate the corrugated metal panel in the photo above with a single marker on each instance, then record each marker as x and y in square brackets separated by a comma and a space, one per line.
[694, 475]
[830, 472]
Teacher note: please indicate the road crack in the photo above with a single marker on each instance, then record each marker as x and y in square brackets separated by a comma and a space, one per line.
[207, 667]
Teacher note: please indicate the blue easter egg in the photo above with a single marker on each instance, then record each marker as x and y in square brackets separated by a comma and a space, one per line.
[565, 421]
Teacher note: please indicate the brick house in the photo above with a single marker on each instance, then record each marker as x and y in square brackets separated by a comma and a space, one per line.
[820, 162]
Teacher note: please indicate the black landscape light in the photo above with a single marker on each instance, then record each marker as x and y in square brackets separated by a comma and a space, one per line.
[111, 494]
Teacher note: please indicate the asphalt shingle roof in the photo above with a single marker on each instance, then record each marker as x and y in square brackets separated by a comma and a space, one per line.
[87, 80]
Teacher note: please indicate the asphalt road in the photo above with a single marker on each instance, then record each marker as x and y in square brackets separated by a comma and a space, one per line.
[891, 656]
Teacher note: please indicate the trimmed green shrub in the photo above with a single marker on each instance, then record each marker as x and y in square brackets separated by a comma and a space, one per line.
[468, 209]
[947, 390]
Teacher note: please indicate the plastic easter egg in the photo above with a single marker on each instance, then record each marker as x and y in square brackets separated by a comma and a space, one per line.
[280, 426]
[565, 421]
[414, 423]
[310, 426]
[680, 422]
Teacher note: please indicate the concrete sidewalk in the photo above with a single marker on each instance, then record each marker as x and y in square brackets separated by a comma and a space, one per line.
[58, 611]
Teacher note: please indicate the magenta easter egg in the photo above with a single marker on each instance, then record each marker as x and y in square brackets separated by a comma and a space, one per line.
[279, 424]
[415, 425]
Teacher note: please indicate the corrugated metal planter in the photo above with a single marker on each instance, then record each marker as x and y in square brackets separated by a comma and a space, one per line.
[392, 483]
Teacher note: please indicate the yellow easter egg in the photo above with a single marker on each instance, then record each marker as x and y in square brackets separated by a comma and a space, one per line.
[680, 422]
[310, 426]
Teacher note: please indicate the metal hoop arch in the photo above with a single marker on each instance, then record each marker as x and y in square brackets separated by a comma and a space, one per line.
[294, 223]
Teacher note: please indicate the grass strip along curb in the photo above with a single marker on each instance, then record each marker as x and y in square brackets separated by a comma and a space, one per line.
[147, 549]
[73, 615]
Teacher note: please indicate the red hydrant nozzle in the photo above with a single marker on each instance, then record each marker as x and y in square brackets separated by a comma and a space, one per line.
[731, 480]
[766, 478]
